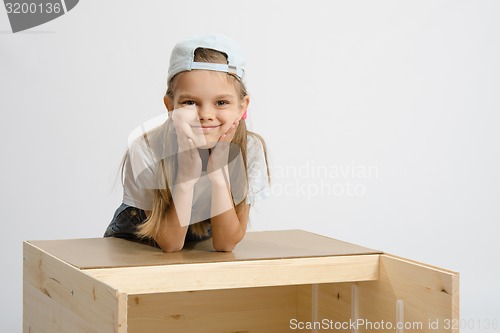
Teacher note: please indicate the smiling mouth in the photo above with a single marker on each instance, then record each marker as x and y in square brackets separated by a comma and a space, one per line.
[205, 128]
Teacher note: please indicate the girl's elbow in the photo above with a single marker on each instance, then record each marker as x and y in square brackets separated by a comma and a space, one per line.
[224, 246]
[171, 247]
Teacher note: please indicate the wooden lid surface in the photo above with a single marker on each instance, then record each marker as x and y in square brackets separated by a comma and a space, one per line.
[92, 253]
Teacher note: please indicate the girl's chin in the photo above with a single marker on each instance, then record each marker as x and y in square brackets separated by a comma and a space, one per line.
[206, 142]
[209, 145]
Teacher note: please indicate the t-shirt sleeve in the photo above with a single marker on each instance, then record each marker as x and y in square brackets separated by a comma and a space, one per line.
[139, 176]
[258, 180]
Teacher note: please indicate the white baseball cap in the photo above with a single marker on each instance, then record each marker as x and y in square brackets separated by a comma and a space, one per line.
[182, 58]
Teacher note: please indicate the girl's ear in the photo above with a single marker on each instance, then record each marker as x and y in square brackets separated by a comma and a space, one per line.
[169, 103]
[244, 105]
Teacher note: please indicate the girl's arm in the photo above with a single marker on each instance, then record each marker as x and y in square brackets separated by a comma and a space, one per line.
[173, 228]
[229, 224]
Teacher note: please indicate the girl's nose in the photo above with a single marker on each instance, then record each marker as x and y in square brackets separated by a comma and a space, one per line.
[206, 112]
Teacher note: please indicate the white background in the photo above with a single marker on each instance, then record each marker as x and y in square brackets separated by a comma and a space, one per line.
[408, 90]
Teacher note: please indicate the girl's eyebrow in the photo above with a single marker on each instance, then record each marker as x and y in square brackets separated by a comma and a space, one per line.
[185, 96]
[224, 96]
[227, 96]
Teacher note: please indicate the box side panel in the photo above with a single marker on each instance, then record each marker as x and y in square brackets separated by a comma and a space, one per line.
[415, 296]
[231, 275]
[304, 303]
[263, 310]
[326, 307]
[43, 314]
[58, 297]
[335, 305]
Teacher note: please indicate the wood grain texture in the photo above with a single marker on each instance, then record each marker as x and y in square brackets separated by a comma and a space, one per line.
[429, 294]
[263, 310]
[113, 285]
[239, 274]
[60, 298]
[262, 245]
[334, 305]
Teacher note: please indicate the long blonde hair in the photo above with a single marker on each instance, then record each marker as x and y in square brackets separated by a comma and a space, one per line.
[167, 168]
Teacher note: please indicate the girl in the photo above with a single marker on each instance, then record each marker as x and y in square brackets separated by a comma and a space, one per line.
[196, 175]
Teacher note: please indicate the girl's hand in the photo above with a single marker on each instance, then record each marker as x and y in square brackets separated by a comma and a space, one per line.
[217, 163]
[229, 135]
[188, 158]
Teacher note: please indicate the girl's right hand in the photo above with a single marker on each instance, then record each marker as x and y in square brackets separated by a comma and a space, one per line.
[188, 158]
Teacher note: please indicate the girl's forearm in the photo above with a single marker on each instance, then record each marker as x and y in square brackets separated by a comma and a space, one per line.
[227, 229]
[174, 227]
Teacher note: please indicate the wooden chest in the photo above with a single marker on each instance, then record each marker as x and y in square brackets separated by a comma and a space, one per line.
[274, 281]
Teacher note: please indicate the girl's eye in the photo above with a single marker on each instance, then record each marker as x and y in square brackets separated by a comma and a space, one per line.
[222, 103]
[188, 102]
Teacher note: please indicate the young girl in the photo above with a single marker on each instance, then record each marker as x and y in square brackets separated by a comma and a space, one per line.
[196, 175]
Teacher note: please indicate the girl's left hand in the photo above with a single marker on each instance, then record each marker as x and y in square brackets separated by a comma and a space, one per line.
[229, 135]
[217, 163]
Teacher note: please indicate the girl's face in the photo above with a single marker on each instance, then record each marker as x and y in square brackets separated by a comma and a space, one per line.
[209, 102]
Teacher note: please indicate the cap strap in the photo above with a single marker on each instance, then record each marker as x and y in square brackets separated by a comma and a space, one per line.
[219, 67]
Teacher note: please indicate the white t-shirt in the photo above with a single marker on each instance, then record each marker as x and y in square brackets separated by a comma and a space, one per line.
[141, 175]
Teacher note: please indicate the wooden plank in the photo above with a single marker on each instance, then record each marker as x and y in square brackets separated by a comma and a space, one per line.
[239, 274]
[62, 294]
[430, 295]
[113, 252]
[43, 314]
[304, 303]
[335, 303]
[263, 310]
[334, 306]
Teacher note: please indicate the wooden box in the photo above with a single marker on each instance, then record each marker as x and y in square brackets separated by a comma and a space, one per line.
[274, 281]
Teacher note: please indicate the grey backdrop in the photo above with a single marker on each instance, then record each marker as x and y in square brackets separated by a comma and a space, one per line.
[381, 119]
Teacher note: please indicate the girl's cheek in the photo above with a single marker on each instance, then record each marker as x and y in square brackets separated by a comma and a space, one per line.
[227, 125]
[232, 117]
[188, 114]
